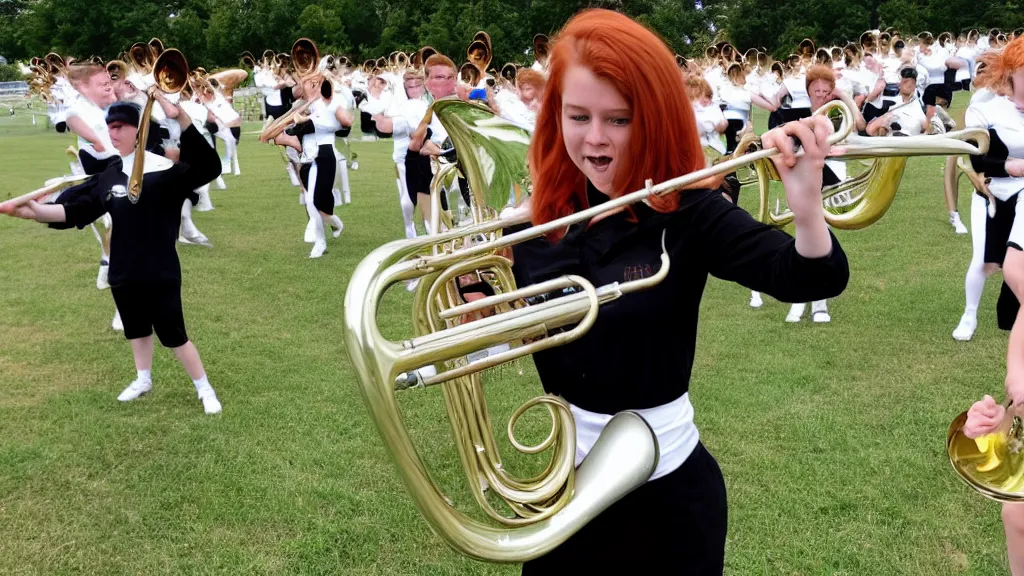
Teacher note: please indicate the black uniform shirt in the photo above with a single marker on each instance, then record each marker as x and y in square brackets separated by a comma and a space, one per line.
[144, 235]
[639, 352]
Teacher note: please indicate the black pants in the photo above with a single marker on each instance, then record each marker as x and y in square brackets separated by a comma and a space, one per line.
[783, 115]
[146, 308]
[323, 185]
[418, 176]
[679, 520]
[730, 135]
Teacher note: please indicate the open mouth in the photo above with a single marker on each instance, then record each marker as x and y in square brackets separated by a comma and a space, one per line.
[599, 163]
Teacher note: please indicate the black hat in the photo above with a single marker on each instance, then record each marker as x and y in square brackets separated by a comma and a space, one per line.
[908, 73]
[124, 112]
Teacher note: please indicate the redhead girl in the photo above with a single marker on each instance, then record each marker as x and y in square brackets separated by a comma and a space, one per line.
[1003, 115]
[615, 113]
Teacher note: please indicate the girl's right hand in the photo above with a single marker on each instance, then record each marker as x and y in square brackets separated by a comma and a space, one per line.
[984, 417]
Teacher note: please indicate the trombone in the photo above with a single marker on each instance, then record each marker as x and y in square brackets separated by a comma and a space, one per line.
[306, 59]
[549, 508]
[170, 71]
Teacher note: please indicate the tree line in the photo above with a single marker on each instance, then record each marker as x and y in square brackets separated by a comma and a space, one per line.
[214, 33]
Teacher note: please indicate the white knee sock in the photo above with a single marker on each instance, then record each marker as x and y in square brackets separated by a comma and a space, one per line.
[974, 281]
[201, 383]
[974, 284]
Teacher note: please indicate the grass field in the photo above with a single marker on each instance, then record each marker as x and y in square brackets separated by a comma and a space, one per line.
[831, 437]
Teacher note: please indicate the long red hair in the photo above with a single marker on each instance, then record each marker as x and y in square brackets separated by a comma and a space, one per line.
[664, 142]
[999, 66]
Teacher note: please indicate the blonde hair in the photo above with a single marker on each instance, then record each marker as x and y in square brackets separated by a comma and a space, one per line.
[81, 73]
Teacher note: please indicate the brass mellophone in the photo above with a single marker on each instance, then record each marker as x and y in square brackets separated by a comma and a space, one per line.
[541, 512]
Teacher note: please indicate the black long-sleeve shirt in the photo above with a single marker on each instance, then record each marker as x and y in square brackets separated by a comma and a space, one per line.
[639, 353]
[143, 239]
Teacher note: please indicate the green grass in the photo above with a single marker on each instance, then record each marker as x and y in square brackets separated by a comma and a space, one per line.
[831, 437]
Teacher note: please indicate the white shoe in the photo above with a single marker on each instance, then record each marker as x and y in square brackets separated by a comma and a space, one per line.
[310, 235]
[117, 325]
[819, 312]
[796, 311]
[220, 183]
[211, 405]
[954, 219]
[348, 196]
[102, 280]
[319, 248]
[411, 285]
[135, 389]
[336, 226]
[965, 330]
[755, 300]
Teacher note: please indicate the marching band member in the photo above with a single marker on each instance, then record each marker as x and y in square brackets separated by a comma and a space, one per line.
[737, 99]
[86, 118]
[711, 122]
[908, 117]
[145, 273]
[428, 136]
[401, 122]
[985, 416]
[614, 114]
[347, 102]
[229, 128]
[999, 108]
[317, 129]
[520, 104]
[821, 89]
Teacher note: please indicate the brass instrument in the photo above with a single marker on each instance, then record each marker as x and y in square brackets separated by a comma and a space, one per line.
[117, 69]
[479, 52]
[868, 44]
[541, 49]
[870, 194]
[157, 46]
[806, 49]
[140, 59]
[509, 75]
[991, 464]
[227, 80]
[545, 510]
[469, 74]
[419, 59]
[52, 186]
[306, 58]
[171, 74]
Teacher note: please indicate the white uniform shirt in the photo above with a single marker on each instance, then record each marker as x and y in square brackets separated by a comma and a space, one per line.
[969, 54]
[935, 64]
[1001, 114]
[910, 118]
[325, 124]
[797, 88]
[737, 102]
[707, 118]
[265, 81]
[406, 119]
[96, 119]
[222, 109]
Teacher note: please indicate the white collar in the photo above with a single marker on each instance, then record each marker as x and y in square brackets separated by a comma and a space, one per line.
[152, 163]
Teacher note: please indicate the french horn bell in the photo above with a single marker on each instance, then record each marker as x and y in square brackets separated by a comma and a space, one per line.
[992, 464]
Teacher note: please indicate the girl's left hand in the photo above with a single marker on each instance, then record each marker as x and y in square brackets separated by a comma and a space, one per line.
[801, 176]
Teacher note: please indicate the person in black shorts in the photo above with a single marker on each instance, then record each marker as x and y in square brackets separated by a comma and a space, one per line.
[145, 274]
